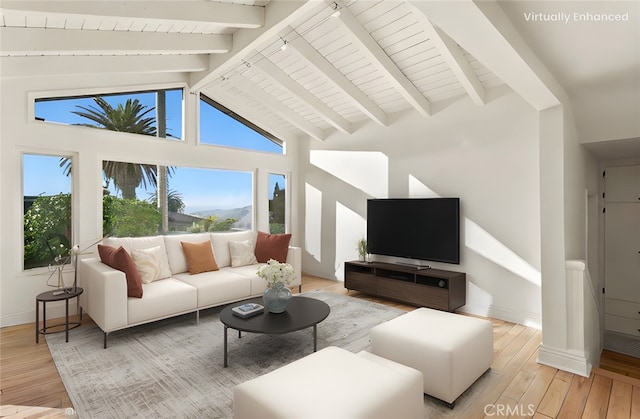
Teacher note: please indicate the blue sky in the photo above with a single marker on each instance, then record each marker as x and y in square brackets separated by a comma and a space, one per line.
[201, 189]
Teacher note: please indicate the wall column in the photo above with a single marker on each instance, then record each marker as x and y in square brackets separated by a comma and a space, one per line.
[554, 349]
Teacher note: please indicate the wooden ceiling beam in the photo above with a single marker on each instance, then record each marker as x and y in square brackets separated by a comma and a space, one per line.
[379, 58]
[39, 41]
[223, 94]
[313, 58]
[205, 12]
[453, 55]
[319, 107]
[254, 91]
[483, 29]
[67, 65]
[278, 15]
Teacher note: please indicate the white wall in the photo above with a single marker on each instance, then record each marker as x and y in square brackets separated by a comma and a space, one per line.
[609, 110]
[89, 147]
[488, 156]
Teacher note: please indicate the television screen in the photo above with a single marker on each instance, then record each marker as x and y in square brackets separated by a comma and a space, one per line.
[422, 228]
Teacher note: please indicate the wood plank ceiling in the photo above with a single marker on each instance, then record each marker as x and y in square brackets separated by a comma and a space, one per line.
[294, 68]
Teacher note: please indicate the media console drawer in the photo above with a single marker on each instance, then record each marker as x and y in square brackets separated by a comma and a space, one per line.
[433, 288]
[361, 282]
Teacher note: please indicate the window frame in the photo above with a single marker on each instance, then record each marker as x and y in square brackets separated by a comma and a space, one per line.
[32, 97]
[250, 172]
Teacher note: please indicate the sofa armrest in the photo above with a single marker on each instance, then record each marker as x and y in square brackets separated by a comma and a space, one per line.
[105, 294]
[294, 258]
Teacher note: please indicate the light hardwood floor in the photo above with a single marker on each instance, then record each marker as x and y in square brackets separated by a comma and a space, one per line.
[516, 386]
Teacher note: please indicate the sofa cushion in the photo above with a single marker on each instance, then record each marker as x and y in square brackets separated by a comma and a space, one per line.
[163, 298]
[258, 285]
[199, 257]
[218, 287]
[119, 258]
[138, 243]
[175, 253]
[148, 263]
[221, 244]
[272, 246]
[242, 253]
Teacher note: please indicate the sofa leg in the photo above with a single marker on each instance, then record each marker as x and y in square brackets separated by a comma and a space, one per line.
[105, 340]
[300, 289]
[197, 317]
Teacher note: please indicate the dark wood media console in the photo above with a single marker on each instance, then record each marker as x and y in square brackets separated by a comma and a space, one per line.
[433, 288]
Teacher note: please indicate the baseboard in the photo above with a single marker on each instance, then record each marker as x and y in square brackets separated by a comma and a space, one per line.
[526, 318]
[320, 274]
[575, 362]
[514, 316]
[55, 310]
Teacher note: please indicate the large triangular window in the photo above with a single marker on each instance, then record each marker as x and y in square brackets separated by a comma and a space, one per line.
[223, 127]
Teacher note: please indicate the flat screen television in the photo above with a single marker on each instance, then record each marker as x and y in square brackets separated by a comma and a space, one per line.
[415, 228]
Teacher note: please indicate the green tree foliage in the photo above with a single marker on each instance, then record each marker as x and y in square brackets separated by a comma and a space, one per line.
[213, 223]
[129, 217]
[277, 210]
[174, 198]
[130, 117]
[47, 230]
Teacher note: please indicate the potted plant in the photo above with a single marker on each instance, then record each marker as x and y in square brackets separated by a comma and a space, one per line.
[362, 249]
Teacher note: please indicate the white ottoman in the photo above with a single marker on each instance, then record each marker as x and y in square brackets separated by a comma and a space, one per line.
[451, 350]
[333, 383]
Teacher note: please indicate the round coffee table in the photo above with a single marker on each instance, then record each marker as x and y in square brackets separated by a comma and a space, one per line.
[302, 312]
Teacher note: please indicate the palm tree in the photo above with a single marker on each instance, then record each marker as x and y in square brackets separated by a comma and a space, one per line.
[132, 117]
[175, 201]
[128, 118]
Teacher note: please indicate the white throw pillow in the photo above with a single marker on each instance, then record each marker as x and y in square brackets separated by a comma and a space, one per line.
[242, 253]
[148, 262]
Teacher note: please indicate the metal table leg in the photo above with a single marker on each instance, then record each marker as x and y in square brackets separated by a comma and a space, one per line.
[66, 319]
[37, 321]
[315, 338]
[225, 346]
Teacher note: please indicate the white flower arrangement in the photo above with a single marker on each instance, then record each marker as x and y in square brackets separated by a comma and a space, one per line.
[274, 272]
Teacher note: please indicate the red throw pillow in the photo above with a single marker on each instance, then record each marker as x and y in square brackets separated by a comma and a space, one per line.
[272, 246]
[121, 260]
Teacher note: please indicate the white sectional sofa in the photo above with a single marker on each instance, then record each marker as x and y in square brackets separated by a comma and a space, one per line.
[177, 292]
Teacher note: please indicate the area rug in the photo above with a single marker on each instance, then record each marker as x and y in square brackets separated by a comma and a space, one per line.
[174, 368]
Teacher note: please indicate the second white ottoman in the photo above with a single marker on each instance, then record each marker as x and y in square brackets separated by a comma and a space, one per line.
[451, 350]
[333, 384]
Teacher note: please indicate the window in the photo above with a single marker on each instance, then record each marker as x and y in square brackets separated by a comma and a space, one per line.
[198, 200]
[221, 126]
[277, 203]
[46, 208]
[136, 112]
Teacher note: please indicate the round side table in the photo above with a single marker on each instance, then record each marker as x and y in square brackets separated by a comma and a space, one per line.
[56, 295]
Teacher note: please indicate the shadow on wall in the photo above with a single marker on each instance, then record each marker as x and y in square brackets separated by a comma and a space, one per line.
[367, 175]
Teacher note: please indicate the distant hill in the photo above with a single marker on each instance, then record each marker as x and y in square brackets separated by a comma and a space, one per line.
[242, 214]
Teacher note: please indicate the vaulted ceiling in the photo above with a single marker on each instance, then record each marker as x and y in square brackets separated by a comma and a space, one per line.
[295, 68]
